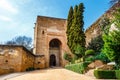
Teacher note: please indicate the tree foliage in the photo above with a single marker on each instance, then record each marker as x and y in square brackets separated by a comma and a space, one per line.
[102, 57]
[21, 40]
[79, 51]
[69, 24]
[96, 44]
[114, 1]
[112, 41]
[104, 22]
[67, 57]
[75, 30]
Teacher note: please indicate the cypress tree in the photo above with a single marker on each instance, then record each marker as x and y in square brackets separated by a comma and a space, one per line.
[69, 24]
[80, 23]
[73, 31]
[79, 38]
[69, 19]
[76, 36]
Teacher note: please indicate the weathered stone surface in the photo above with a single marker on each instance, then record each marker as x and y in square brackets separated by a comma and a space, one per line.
[16, 58]
[95, 64]
[106, 67]
[46, 30]
[27, 60]
[94, 30]
[39, 62]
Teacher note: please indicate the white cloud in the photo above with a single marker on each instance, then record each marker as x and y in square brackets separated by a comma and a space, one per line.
[5, 18]
[6, 5]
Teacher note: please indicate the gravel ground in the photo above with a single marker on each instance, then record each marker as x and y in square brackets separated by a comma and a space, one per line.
[48, 74]
[7, 76]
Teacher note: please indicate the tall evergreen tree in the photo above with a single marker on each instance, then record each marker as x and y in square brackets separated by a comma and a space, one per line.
[76, 40]
[73, 30]
[80, 22]
[69, 24]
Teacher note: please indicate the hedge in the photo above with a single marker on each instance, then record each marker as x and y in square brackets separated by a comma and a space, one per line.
[117, 73]
[79, 67]
[107, 74]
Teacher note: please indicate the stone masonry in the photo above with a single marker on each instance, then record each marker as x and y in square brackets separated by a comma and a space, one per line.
[15, 58]
[94, 30]
[50, 39]
[50, 44]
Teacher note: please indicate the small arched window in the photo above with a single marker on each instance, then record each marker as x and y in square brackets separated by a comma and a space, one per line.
[6, 61]
[38, 62]
[43, 32]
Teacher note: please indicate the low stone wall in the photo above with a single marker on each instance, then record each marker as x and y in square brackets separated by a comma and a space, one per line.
[6, 71]
[10, 58]
[27, 60]
[15, 58]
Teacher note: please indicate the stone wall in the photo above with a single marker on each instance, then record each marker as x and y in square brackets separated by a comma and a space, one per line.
[14, 58]
[94, 30]
[6, 71]
[56, 52]
[39, 62]
[47, 29]
[10, 58]
[27, 59]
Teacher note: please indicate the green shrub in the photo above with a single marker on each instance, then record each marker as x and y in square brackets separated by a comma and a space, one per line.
[117, 73]
[90, 58]
[89, 52]
[79, 60]
[79, 67]
[74, 59]
[102, 57]
[67, 57]
[105, 74]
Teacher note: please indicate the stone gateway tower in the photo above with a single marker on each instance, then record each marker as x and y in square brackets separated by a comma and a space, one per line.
[50, 40]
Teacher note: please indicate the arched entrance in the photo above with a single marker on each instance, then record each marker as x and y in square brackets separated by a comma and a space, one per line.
[54, 52]
[52, 60]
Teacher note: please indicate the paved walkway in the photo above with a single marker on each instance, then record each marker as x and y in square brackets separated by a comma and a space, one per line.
[11, 75]
[49, 74]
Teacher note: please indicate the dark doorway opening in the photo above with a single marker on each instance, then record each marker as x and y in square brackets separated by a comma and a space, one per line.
[54, 53]
[52, 60]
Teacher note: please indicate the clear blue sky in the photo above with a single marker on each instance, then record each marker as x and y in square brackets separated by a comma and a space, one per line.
[17, 17]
